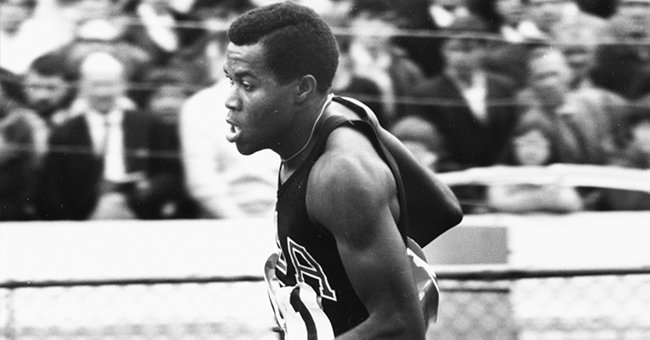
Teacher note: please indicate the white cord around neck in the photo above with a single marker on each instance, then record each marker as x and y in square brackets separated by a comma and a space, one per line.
[313, 128]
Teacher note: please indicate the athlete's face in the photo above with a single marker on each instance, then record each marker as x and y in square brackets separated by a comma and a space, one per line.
[259, 106]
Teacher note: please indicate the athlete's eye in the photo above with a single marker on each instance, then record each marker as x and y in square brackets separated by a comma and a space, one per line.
[246, 86]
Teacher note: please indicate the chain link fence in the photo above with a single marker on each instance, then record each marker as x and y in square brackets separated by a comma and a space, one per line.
[549, 305]
[612, 307]
[119, 310]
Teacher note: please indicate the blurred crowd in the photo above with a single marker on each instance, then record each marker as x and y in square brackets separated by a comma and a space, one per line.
[113, 109]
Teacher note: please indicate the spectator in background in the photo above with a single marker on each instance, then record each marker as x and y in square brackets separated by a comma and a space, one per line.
[512, 21]
[635, 155]
[634, 17]
[579, 50]
[169, 89]
[556, 16]
[425, 141]
[602, 8]
[606, 108]
[22, 145]
[623, 63]
[162, 29]
[420, 44]
[445, 12]
[471, 107]
[201, 58]
[533, 145]
[24, 37]
[347, 82]
[377, 57]
[101, 26]
[48, 90]
[424, 50]
[224, 183]
[82, 11]
[91, 16]
[11, 87]
[486, 10]
[516, 36]
[99, 162]
[334, 12]
[582, 122]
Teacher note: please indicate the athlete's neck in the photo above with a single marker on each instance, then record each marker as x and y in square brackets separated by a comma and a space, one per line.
[293, 161]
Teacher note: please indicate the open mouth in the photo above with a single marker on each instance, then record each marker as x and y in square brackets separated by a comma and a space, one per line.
[233, 132]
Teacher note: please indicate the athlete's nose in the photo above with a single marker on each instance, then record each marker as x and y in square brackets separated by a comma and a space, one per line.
[232, 101]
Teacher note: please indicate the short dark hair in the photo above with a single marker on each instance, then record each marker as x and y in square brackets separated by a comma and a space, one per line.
[49, 65]
[296, 41]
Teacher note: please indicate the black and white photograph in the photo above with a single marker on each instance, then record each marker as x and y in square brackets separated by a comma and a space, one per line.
[324, 169]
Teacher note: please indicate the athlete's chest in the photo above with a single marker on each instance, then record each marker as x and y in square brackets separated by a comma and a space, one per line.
[308, 254]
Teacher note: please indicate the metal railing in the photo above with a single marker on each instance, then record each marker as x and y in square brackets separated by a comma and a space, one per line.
[477, 302]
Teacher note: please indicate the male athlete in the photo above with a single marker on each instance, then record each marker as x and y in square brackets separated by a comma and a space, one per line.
[343, 259]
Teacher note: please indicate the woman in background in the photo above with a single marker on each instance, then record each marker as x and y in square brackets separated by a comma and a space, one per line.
[533, 146]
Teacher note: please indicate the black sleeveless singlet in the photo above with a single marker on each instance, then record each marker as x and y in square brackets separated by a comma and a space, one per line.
[309, 252]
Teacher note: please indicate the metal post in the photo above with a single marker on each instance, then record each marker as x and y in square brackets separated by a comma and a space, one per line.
[9, 326]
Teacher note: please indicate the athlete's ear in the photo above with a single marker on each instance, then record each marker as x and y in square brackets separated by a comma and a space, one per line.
[305, 87]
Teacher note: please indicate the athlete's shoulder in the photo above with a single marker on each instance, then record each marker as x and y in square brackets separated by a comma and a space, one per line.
[350, 178]
[349, 153]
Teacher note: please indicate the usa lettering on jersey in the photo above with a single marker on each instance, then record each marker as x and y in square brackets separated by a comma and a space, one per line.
[306, 266]
[296, 308]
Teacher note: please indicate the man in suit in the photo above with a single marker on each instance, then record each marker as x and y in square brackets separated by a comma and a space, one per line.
[586, 121]
[98, 162]
[470, 106]
[47, 89]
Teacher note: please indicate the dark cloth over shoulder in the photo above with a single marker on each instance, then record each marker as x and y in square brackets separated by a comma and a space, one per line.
[430, 208]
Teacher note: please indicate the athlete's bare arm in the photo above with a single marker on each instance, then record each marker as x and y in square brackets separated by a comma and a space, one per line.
[351, 192]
